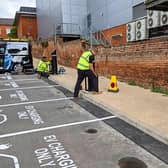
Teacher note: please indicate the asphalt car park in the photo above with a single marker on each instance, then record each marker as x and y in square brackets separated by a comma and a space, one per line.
[42, 125]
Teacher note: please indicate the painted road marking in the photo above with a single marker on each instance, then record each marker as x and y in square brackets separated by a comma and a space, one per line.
[14, 158]
[14, 84]
[21, 80]
[0, 97]
[33, 81]
[21, 95]
[4, 118]
[13, 96]
[26, 88]
[56, 126]
[9, 77]
[7, 84]
[3, 77]
[53, 153]
[5, 146]
[34, 102]
[30, 112]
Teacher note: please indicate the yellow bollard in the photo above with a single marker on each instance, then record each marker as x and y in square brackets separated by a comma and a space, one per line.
[113, 84]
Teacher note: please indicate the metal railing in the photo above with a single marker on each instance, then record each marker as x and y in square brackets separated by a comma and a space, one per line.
[90, 34]
[68, 28]
[95, 37]
[100, 36]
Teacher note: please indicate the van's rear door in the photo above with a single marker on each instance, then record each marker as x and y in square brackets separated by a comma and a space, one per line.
[2, 54]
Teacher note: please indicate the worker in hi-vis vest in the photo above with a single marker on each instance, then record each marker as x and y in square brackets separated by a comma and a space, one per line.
[43, 68]
[85, 69]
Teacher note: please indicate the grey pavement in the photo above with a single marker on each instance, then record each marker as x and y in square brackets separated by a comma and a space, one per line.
[138, 106]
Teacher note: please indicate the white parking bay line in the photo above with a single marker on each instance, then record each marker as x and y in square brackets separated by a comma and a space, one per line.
[33, 79]
[56, 126]
[35, 102]
[26, 88]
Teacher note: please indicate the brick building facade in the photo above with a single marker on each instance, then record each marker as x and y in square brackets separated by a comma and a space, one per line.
[116, 35]
[26, 23]
[5, 26]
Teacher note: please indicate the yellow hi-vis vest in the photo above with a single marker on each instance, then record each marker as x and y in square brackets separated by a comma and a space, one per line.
[83, 63]
[42, 66]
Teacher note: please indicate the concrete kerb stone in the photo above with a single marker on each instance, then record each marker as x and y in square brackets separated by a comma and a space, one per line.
[116, 112]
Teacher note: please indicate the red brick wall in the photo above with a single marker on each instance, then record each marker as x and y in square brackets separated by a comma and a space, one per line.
[27, 27]
[38, 51]
[112, 35]
[69, 53]
[144, 63]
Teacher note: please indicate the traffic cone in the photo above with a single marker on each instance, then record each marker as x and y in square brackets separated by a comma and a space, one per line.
[113, 84]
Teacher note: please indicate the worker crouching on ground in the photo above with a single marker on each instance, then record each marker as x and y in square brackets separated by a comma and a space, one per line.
[85, 68]
[43, 68]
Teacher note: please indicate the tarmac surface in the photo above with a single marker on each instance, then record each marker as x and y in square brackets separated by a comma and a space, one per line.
[42, 125]
[138, 106]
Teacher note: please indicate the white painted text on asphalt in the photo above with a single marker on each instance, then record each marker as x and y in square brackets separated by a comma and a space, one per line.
[32, 113]
[54, 154]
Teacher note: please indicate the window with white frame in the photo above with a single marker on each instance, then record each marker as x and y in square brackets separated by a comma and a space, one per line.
[8, 30]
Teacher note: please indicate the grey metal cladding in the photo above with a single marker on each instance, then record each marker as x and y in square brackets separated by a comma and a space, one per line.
[110, 13]
[52, 13]
[104, 13]
[48, 13]
[139, 11]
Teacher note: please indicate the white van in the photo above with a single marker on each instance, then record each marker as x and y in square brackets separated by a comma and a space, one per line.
[15, 56]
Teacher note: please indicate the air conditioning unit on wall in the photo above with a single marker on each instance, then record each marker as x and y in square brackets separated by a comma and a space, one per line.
[141, 29]
[163, 18]
[153, 19]
[131, 32]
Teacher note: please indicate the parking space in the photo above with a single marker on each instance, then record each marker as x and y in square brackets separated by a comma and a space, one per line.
[15, 91]
[12, 82]
[32, 116]
[49, 130]
[72, 146]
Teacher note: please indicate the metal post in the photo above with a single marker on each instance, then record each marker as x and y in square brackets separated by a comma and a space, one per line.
[54, 62]
[55, 36]
[91, 39]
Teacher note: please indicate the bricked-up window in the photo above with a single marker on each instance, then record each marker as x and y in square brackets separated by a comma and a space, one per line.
[30, 19]
[30, 28]
[139, 11]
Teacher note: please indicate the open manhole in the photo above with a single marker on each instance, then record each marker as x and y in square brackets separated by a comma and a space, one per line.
[91, 131]
[131, 162]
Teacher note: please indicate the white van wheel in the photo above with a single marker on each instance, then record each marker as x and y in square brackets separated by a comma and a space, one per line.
[18, 68]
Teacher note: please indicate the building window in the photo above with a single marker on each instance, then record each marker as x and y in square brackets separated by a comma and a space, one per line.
[2, 50]
[8, 31]
[139, 11]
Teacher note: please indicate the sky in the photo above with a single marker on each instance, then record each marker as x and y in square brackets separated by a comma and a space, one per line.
[8, 8]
